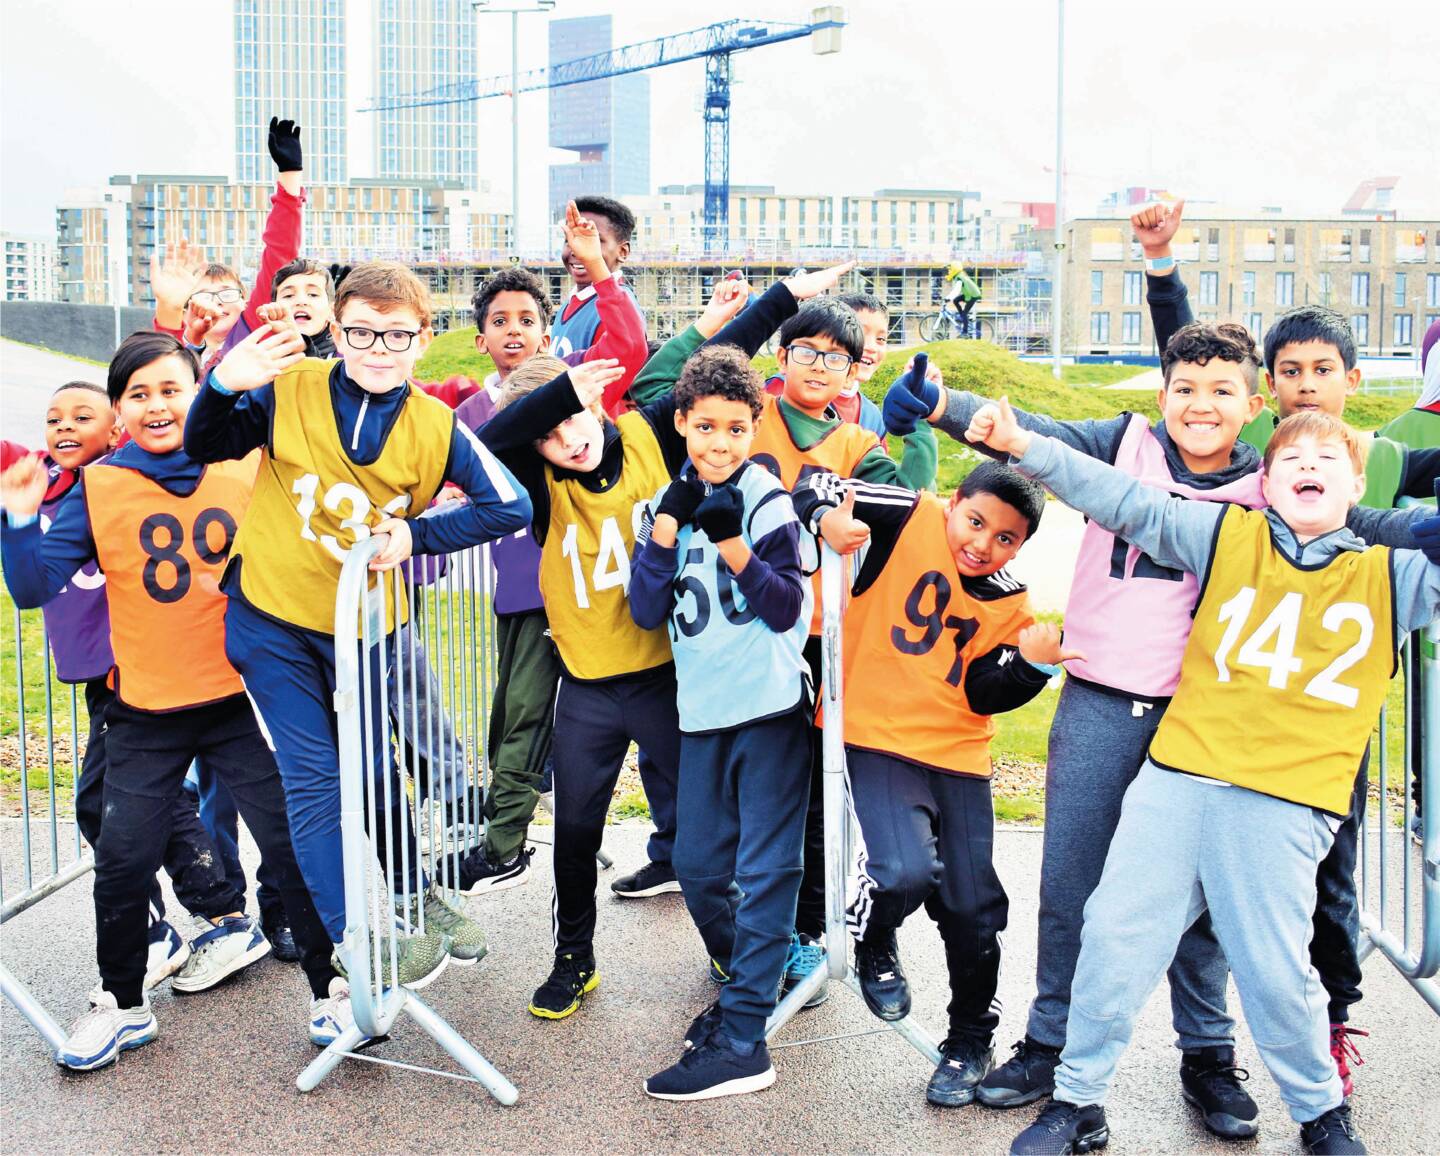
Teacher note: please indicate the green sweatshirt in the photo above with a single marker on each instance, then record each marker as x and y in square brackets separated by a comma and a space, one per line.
[915, 471]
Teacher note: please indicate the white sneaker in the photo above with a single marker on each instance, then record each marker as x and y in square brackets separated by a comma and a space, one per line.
[329, 1017]
[165, 955]
[219, 951]
[103, 1032]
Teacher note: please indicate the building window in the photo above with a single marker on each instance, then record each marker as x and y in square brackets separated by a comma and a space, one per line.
[1360, 323]
[1403, 323]
[1132, 288]
[1106, 244]
[1100, 328]
[1097, 287]
[1212, 245]
[1284, 288]
[1288, 253]
[1365, 246]
[1400, 290]
[1335, 244]
[1255, 322]
[1432, 290]
[1259, 244]
[1209, 288]
[1327, 290]
[1409, 246]
[1130, 328]
[1247, 287]
[1360, 289]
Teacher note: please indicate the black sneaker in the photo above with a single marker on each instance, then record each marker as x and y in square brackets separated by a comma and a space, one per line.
[882, 982]
[570, 980]
[1332, 1134]
[713, 1068]
[1027, 1076]
[703, 1025]
[1210, 1080]
[651, 879]
[1063, 1128]
[276, 928]
[964, 1062]
[480, 876]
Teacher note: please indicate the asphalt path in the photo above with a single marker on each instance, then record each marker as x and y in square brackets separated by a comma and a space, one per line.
[28, 376]
[220, 1076]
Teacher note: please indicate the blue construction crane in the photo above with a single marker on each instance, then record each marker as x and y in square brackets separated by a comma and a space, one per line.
[714, 44]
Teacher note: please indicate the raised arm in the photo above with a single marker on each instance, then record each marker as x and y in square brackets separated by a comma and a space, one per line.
[37, 565]
[232, 413]
[1172, 531]
[1165, 293]
[283, 226]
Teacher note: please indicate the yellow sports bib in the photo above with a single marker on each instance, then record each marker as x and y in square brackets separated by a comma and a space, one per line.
[312, 503]
[585, 564]
[1285, 671]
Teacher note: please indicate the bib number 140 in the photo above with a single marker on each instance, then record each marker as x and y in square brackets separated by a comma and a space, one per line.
[1279, 631]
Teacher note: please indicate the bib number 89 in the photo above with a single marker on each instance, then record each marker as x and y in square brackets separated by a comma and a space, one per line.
[167, 553]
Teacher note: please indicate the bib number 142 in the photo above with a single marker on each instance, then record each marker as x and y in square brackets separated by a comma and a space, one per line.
[1271, 645]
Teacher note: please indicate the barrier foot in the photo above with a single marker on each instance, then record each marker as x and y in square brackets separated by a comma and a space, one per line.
[23, 1002]
[461, 1051]
[908, 1029]
[328, 1060]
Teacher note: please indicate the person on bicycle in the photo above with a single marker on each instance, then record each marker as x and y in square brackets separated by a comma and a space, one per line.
[962, 297]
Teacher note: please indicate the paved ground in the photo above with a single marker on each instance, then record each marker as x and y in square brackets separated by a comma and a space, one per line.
[28, 376]
[220, 1076]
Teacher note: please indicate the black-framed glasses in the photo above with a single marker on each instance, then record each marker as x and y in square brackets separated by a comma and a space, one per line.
[217, 296]
[396, 340]
[833, 361]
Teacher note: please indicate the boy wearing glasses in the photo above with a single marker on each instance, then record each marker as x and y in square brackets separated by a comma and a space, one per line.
[351, 448]
[205, 305]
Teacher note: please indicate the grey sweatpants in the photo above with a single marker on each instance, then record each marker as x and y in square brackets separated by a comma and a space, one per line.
[1185, 846]
[1098, 742]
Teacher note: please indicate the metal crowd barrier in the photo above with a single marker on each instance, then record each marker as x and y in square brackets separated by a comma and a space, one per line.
[1405, 926]
[413, 704]
[839, 830]
[49, 858]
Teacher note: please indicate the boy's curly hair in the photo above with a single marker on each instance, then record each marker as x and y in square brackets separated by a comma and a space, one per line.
[719, 371]
[1198, 342]
[511, 279]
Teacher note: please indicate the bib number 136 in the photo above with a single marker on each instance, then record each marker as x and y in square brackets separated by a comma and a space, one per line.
[1271, 645]
[341, 498]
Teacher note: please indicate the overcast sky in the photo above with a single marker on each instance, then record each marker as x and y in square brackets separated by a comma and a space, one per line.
[1250, 102]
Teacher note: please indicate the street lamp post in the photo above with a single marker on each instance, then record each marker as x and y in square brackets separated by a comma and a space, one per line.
[1057, 292]
[515, 8]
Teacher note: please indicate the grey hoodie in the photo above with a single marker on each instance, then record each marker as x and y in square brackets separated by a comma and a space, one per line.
[1180, 534]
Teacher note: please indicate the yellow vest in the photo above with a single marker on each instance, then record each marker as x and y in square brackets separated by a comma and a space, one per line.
[1285, 671]
[585, 564]
[312, 503]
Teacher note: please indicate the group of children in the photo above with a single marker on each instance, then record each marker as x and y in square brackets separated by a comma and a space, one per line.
[656, 520]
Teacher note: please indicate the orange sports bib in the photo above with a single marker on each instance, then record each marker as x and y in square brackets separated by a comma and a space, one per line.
[163, 555]
[838, 452]
[909, 639]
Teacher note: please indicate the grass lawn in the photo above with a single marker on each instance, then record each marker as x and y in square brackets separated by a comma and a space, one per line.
[1020, 743]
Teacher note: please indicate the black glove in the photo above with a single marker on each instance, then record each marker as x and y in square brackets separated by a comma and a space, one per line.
[721, 513]
[338, 273]
[284, 142]
[681, 498]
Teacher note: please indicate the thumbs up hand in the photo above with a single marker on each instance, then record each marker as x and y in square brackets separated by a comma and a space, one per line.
[911, 398]
[841, 529]
[995, 424]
